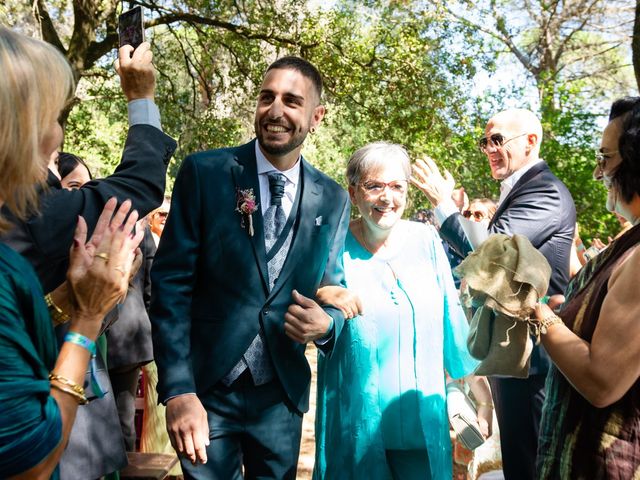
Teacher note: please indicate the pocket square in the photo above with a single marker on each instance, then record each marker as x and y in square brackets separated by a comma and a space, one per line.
[318, 221]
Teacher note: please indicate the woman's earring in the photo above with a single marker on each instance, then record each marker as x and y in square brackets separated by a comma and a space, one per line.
[312, 130]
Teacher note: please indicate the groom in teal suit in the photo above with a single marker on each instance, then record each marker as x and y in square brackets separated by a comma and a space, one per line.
[253, 232]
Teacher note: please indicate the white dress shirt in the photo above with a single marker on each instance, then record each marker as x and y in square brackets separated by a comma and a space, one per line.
[292, 179]
[508, 183]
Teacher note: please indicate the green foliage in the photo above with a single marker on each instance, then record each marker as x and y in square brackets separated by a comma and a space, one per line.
[394, 70]
[569, 148]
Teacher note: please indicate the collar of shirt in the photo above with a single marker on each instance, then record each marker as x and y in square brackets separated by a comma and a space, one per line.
[508, 183]
[292, 178]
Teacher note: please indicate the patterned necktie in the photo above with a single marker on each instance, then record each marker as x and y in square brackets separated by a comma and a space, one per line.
[256, 358]
[274, 217]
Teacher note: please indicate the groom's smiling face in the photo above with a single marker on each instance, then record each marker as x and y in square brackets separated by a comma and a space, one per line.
[288, 107]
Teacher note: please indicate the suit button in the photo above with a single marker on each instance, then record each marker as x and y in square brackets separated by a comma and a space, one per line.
[265, 312]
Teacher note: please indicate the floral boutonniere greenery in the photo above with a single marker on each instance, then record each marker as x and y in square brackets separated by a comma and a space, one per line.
[246, 205]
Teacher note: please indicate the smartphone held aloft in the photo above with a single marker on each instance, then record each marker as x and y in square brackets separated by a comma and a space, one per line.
[131, 27]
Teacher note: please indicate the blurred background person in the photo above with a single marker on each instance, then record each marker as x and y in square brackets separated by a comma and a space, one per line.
[381, 410]
[158, 218]
[73, 171]
[480, 209]
[41, 388]
[591, 418]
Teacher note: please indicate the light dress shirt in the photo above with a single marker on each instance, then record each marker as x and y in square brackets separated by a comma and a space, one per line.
[143, 111]
[292, 179]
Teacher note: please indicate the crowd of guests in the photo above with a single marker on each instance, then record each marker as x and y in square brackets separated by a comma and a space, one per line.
[215, 293]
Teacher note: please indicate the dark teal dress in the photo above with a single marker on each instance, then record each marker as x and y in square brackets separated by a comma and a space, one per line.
[383, 387]
[30, 422]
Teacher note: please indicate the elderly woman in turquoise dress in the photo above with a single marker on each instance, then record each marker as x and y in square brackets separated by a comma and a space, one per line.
[41, 386]
[381, 410]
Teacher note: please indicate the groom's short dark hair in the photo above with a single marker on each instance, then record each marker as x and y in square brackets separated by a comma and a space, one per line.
[303, 66]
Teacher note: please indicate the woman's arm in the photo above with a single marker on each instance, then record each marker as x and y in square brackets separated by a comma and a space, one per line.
[484, 402]
[605, 369]
[96, 283]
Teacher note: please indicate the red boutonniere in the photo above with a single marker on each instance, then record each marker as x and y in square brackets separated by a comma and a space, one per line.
[246, 205]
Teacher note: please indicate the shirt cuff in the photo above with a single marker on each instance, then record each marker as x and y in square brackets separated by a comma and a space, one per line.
[444, 211]
[328, 337]
[143, 111]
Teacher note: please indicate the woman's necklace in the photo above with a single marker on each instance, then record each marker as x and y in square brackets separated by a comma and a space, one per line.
[365, 244]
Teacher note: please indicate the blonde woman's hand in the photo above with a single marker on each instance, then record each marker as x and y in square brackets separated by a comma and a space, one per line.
[99, 269]
[342, 298]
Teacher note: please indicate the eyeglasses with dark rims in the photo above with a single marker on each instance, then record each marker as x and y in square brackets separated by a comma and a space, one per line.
[497, 140]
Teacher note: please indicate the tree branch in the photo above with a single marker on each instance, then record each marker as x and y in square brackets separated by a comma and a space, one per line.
[47, 30]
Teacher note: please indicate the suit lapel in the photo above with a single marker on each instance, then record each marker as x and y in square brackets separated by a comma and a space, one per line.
[245, 176]
[310, 201]
[532, 172]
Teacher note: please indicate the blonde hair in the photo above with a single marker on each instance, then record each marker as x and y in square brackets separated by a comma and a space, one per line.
[35, 84]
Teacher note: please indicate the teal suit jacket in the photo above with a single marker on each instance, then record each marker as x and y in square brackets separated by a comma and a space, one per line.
[210, 286]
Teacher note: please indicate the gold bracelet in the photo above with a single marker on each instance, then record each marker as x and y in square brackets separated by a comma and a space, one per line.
[65, 381]
[548, 322]
[484, 404]
[57, 314]
[81, 399]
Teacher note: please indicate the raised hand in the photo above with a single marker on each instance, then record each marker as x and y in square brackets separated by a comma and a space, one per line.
[427, 177]
[305, 321]
[137, 74]
[99, 269]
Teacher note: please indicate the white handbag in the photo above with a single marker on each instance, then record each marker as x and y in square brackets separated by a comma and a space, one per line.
[463, 417]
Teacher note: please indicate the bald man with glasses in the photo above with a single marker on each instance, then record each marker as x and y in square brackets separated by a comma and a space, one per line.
[534, 203]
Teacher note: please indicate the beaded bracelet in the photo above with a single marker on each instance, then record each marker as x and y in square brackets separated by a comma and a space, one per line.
[57, 314]
[81, 399]
[65, 381]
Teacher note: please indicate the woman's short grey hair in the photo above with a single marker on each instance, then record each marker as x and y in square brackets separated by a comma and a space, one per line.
[374, 156]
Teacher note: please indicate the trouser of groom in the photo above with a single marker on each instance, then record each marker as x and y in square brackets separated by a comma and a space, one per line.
[250, 426]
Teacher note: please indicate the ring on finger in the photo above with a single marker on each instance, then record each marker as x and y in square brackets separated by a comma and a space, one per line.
[103, 255]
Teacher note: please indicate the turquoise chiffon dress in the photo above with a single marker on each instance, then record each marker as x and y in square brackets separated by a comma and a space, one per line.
[383, 387]
[30, 422]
